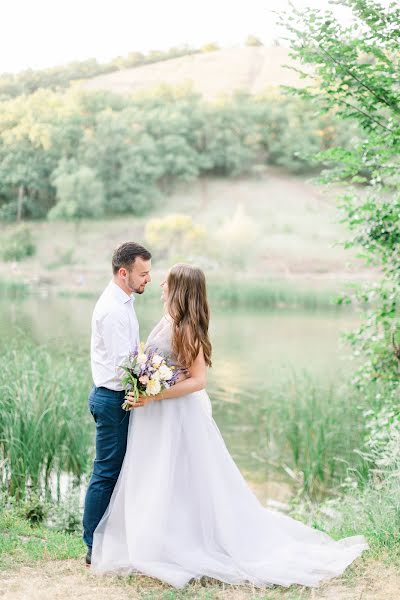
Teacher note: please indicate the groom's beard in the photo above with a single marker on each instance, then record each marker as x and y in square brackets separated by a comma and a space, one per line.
[137, 290]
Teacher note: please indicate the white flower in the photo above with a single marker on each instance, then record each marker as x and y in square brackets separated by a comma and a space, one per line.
[141, 358]
[165, 373]
[156, 360]
[153, 387]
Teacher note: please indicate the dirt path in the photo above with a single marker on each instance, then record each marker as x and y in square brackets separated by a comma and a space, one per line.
[62, 580]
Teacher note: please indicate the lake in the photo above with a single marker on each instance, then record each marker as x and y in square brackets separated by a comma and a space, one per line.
[251, 350]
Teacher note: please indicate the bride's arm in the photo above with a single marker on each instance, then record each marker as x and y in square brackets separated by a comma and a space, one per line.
[195, 381]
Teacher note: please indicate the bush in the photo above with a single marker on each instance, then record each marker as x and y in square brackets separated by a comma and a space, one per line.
[34, 510]
[17, 244]
[66, 514]
[174, 235]
[372, 510]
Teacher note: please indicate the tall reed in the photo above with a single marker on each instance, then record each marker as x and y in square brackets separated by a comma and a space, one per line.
[13, 289]
[44, 421]
[231, 293]
[234, 292]
[316, 430]
[302, 430]
[268, 294]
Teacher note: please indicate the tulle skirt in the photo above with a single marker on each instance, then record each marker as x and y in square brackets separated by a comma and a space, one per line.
[181, 510]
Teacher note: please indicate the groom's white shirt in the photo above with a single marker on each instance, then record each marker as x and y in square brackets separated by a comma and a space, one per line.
[115, 333]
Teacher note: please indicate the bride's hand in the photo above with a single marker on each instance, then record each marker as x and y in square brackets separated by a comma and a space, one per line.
[141, 401]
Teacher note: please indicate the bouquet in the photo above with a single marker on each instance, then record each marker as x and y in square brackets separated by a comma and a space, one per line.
[146, 374]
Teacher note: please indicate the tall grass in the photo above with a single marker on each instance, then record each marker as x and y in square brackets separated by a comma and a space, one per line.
[13, 289]
[325, 428]
[230, 293]
[44, 421]
[256, 294]
[306, 432]
[319, 427]
[368, 506]
[268, 294]
[373, 511]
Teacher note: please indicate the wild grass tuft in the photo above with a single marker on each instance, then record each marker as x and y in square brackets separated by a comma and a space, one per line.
[44, 420]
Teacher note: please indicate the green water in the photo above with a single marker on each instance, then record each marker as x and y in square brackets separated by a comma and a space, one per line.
[245, 343]
[251, 350]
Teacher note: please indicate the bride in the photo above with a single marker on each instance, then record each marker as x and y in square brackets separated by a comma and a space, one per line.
[180, 508]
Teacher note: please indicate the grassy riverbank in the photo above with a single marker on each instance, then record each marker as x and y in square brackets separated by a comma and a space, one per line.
[24, 543]
[300, 427]
[42, 564]
[306, 430]
[37, 561]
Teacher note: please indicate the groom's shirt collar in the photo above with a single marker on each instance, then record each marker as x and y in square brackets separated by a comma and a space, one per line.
[120, 294]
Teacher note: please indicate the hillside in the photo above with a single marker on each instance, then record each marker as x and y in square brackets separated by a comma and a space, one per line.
[290, 230]
[252, 69]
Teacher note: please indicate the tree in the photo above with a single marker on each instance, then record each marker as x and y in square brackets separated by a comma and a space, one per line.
[356, 73]
[126, 159]
[79, 192]
[174, 120]
[292, 132]
[27, 157]
[230, 138]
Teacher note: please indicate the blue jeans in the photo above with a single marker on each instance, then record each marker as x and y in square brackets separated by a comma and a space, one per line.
[111, 435]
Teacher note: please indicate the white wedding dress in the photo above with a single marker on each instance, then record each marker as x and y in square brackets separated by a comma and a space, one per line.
[181, 509]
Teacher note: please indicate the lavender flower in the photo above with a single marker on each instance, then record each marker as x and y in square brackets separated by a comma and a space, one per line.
[147, 374]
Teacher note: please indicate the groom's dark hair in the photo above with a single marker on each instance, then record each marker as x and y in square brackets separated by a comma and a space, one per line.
[125, 255]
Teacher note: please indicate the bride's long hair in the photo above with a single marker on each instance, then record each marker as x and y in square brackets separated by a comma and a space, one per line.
[188, 306]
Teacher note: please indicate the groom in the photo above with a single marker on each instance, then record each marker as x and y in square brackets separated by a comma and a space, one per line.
[115, 333]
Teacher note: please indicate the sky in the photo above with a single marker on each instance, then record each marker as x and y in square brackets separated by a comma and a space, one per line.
[43, 33]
